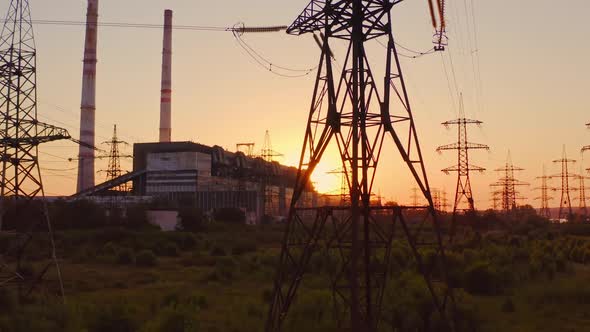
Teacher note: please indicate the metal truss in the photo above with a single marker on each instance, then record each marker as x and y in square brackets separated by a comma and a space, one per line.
[22, 219]
[357, 113]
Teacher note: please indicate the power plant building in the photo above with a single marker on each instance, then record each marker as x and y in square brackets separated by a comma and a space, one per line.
[207, 177]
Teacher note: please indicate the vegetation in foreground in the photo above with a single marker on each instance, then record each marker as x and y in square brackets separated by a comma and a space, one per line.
[523, 275]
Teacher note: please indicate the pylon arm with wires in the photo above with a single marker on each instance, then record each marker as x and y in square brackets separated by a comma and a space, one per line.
[45, 133]
[469, 146]
[456, 168]
[461, 121]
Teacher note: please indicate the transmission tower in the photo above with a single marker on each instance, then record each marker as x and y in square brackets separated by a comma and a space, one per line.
[463, 193]
[507, 185]
[436, 199]
[565, 175]
[343, 190]
[270, 194]
[415, 196]
[23, 219]
[353, 112]
[544, 211]
[583, 209]
[445, 202]
[114, 170]
[496, 199]
[246, 148]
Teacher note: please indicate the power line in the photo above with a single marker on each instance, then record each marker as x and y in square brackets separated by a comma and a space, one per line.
[267, 64]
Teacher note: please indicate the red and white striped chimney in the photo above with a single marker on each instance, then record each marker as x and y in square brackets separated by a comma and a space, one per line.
[166, 92]
[88, 105]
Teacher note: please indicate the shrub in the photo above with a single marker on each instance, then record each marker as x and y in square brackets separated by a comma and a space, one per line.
[230, 215]
[169, 249]
[110, 249]
[114, 318]
[191, 220]
[244, 247]
[217, 251]
[481, 279]
[508, 305]
[7, 300]
[174, 320]
[125, 256]
[146, 258]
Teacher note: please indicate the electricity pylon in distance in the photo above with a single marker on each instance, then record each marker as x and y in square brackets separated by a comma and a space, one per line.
[565, 204]
[544, 210]
[507, 185]
[114, 169]
[354, 111]
[463, 193]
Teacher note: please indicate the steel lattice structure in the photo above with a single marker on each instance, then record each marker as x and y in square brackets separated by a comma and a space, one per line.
[507, 185]
[114, 169]
[20, 136]
[463, 192]
[355, 112]
[565, 176]
[544, 210]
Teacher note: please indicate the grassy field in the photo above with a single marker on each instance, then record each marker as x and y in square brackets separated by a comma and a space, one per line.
[219, 279]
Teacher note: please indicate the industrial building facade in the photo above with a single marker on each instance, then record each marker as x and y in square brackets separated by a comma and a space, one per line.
[209, 178]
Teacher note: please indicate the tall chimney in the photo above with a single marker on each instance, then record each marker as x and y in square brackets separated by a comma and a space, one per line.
[86, 155]
[166, 92]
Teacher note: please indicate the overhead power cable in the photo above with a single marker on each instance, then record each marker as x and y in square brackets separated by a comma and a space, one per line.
[241, 29]
[266, 64]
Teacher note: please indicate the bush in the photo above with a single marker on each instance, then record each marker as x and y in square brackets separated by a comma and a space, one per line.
[191, 220]
[230, 215]
[508, 305]
[169, 249]
[481, 279]
[146, 258]
[7, 300]
[174, 320]
[125, 256]
[110, 249]
[243, 248]
[217, 251]
[117, 318]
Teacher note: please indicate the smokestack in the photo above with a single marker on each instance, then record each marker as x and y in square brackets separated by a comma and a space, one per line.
[166, 92]
[88, 106]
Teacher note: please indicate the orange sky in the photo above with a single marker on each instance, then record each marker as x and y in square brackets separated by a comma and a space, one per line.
[532, 57]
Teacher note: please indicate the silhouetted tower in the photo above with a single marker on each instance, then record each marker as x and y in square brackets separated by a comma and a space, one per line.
[507, 185]
[355, 111]
[246, 148]
[496, 199]
[343, 190]
[415, 196]
[114, 169]
[565, 204]
[583, 209]
[463, 193]
[270, 192]
[436, 199]
[544, 211]
[21, 182]
[445, 202]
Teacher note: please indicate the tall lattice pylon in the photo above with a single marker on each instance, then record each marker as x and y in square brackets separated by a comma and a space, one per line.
[582, 207]
[565, 203]
[355, 111]
[463, 193]
[544, 210]
[507, 184]
[114, 169]
[23, 220]
[271, 206]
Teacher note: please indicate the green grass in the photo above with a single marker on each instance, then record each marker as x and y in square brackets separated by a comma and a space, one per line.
[227, 293]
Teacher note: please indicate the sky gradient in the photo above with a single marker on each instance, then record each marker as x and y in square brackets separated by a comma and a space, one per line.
[533, 99]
